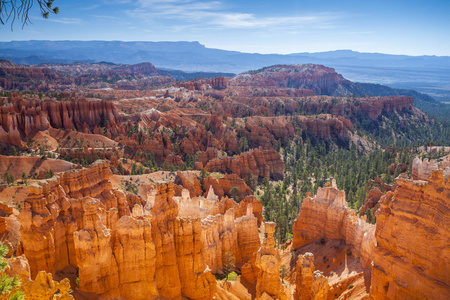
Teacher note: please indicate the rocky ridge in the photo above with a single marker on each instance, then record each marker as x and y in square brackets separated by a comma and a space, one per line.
[126, 246]
[411, 259]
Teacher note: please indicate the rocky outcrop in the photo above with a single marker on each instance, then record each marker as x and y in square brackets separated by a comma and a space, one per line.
[143, 68]
[320, 79]
[258, 162]
[411, 259]
[98, 269]
[401, 167]
[224, 185]
[18, 266]
[248, 237]
[191, 183]
[13, 76]
[173, 160]
[309, 283]
[196, 280]
[207, 155]
[44, 287]
[219, 236]
[125, 247]
[19, 117]
[324, 127]
[268, 261]
[226, 232]
[54, 210]
[372, 199]
[327, 216]
[423, 169]
[218, 83]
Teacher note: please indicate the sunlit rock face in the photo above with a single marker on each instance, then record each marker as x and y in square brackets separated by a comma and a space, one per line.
[268, 261]
[408, 247]
[309, 283]
[131, 248]
[411, 259]
[327, 216]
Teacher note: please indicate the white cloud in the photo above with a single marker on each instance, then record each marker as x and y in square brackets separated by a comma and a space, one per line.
[66, 20]
[91, 7]
[106, 17]
[213, 13]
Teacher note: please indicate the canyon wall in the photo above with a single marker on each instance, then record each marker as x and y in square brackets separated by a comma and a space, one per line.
[408, 247]
[412, 257]
[257, 162]
[125, 246]
[19, 117]
[268, 260]
[327, 216]
[309, 283]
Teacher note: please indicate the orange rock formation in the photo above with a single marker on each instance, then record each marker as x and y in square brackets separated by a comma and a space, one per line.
[309, 283]
[268, 261]
[125, 246]
[411, 259]
[327, 216]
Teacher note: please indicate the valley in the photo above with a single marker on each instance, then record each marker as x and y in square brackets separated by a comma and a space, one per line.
[125, 181]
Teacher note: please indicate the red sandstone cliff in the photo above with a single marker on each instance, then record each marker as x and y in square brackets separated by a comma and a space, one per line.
[258, 162]
[19, 118]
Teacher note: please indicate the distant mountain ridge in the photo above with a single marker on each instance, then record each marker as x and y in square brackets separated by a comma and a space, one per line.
[428, 74]
[318, 79]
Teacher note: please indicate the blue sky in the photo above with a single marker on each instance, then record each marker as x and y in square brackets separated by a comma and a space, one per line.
[395, 27]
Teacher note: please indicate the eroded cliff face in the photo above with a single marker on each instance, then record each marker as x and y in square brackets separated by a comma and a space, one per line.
[43, 286]
[128, 247]
[268, 261]
[408, 247]
[423, 169]
[258, 162]
[327, 216]
[412, 258]
[19, 118]
[309, 283]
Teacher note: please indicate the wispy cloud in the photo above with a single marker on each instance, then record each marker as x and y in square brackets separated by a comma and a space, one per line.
[91, 7]
[357, 32]
[214, 13]
[106, 17]
[66, 20]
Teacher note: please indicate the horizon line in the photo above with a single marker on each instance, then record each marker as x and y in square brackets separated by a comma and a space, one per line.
[198, 42]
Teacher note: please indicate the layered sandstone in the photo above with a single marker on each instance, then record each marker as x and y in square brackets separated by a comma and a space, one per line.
[372, 199]
[309, 283]
[258, 162]
[327, 216]
[219, 236]
[130, 248]
[248, 236]
[222, 229]
[44, 287]
[19, 117]
[268, 261]
[423, 169]
[411, 259]
[224, 186]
